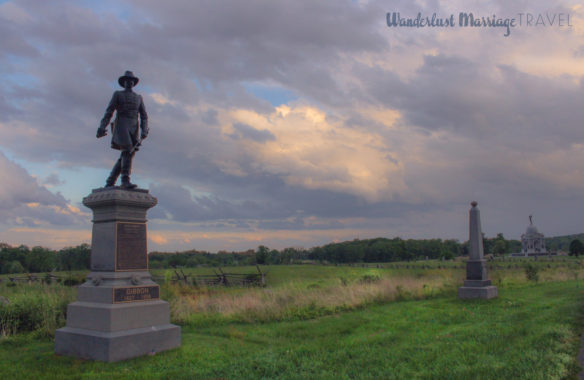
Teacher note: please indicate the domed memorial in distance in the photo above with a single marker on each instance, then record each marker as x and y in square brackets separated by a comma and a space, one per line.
[533, 242]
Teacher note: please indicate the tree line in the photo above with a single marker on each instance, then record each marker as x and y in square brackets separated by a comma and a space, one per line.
[355, 251]
[23, 259]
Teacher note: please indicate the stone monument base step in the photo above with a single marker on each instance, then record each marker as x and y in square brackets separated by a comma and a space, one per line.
[476, 283]
[115, 346]
[483, 292]
[117, 317]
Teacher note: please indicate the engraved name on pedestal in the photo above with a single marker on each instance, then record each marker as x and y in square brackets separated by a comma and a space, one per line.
[136, 294]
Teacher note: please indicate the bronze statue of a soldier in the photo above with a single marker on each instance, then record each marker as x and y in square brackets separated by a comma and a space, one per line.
[128, 105]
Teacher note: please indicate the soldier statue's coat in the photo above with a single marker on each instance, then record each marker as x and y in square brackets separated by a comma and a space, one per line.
[128, 105]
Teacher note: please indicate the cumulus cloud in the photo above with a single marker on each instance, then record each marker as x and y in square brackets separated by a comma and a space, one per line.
[24, 202]
[308, 150]
[244, 131]
[391, 125]
[52, 180]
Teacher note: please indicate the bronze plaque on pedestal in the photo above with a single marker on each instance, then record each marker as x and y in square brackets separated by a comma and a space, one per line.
[131, 251]
[136, 293]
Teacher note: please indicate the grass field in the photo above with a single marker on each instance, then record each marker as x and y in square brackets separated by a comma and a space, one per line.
[344, 322]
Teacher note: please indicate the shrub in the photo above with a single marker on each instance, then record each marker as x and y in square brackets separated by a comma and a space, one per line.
[14, 267]
[369, 278]
[576, 248]
[74, 281]
[532, 272]
[35, 308]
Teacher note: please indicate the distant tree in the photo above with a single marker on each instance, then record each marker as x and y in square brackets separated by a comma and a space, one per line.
[401, 250]
[487, 244]
[74, 258]
[41, 259]
[194, 260]
[15, 267]
[288, 255]
[261, 254]
[375, 252]
[500, 246]
[317, 253]
[446, 254]
[273, 257]
[23, 248]
[9, 255]
[514, 246]
[354, 253]
[177, 260]
[464, 248]
[450, 249]
[576, 248]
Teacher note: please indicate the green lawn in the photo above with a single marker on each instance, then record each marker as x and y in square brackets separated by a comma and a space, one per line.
[529, 332]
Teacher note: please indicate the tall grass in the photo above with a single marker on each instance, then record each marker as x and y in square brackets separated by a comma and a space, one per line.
[33, 307]
[295, 301]
[309, 299]
[299, 300]
[293, 293]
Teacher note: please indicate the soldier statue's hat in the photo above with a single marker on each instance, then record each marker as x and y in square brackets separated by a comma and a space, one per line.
[128, 75]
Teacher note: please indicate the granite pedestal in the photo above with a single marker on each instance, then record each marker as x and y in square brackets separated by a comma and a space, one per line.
[118, 314]
[477, 283]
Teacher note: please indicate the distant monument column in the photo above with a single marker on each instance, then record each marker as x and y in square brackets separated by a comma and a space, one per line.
[118, 314]
[477, 284]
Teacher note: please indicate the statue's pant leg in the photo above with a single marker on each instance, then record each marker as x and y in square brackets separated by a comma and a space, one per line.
[127, 168]
[116, 170]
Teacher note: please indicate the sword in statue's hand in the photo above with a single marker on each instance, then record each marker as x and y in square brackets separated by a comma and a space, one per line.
[136, 147]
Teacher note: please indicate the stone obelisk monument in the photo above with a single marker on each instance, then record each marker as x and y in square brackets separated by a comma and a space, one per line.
[477, 284]
[118, 314]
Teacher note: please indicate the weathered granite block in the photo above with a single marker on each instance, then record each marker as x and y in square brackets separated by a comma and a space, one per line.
[477, 283]
[476, 270]
[118, 345]
[117, 317]
[484, 292]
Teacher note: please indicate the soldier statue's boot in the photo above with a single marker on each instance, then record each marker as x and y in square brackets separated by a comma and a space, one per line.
[113, 177]
[126, 170]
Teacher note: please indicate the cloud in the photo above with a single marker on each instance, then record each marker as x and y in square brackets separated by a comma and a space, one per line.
[24, 202]
[309, 150]
[52, 180]
[157, 238]
[54, 238]
[387, 129]
[244, 131]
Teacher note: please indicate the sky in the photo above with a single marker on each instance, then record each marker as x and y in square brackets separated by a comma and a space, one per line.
[295, 123]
